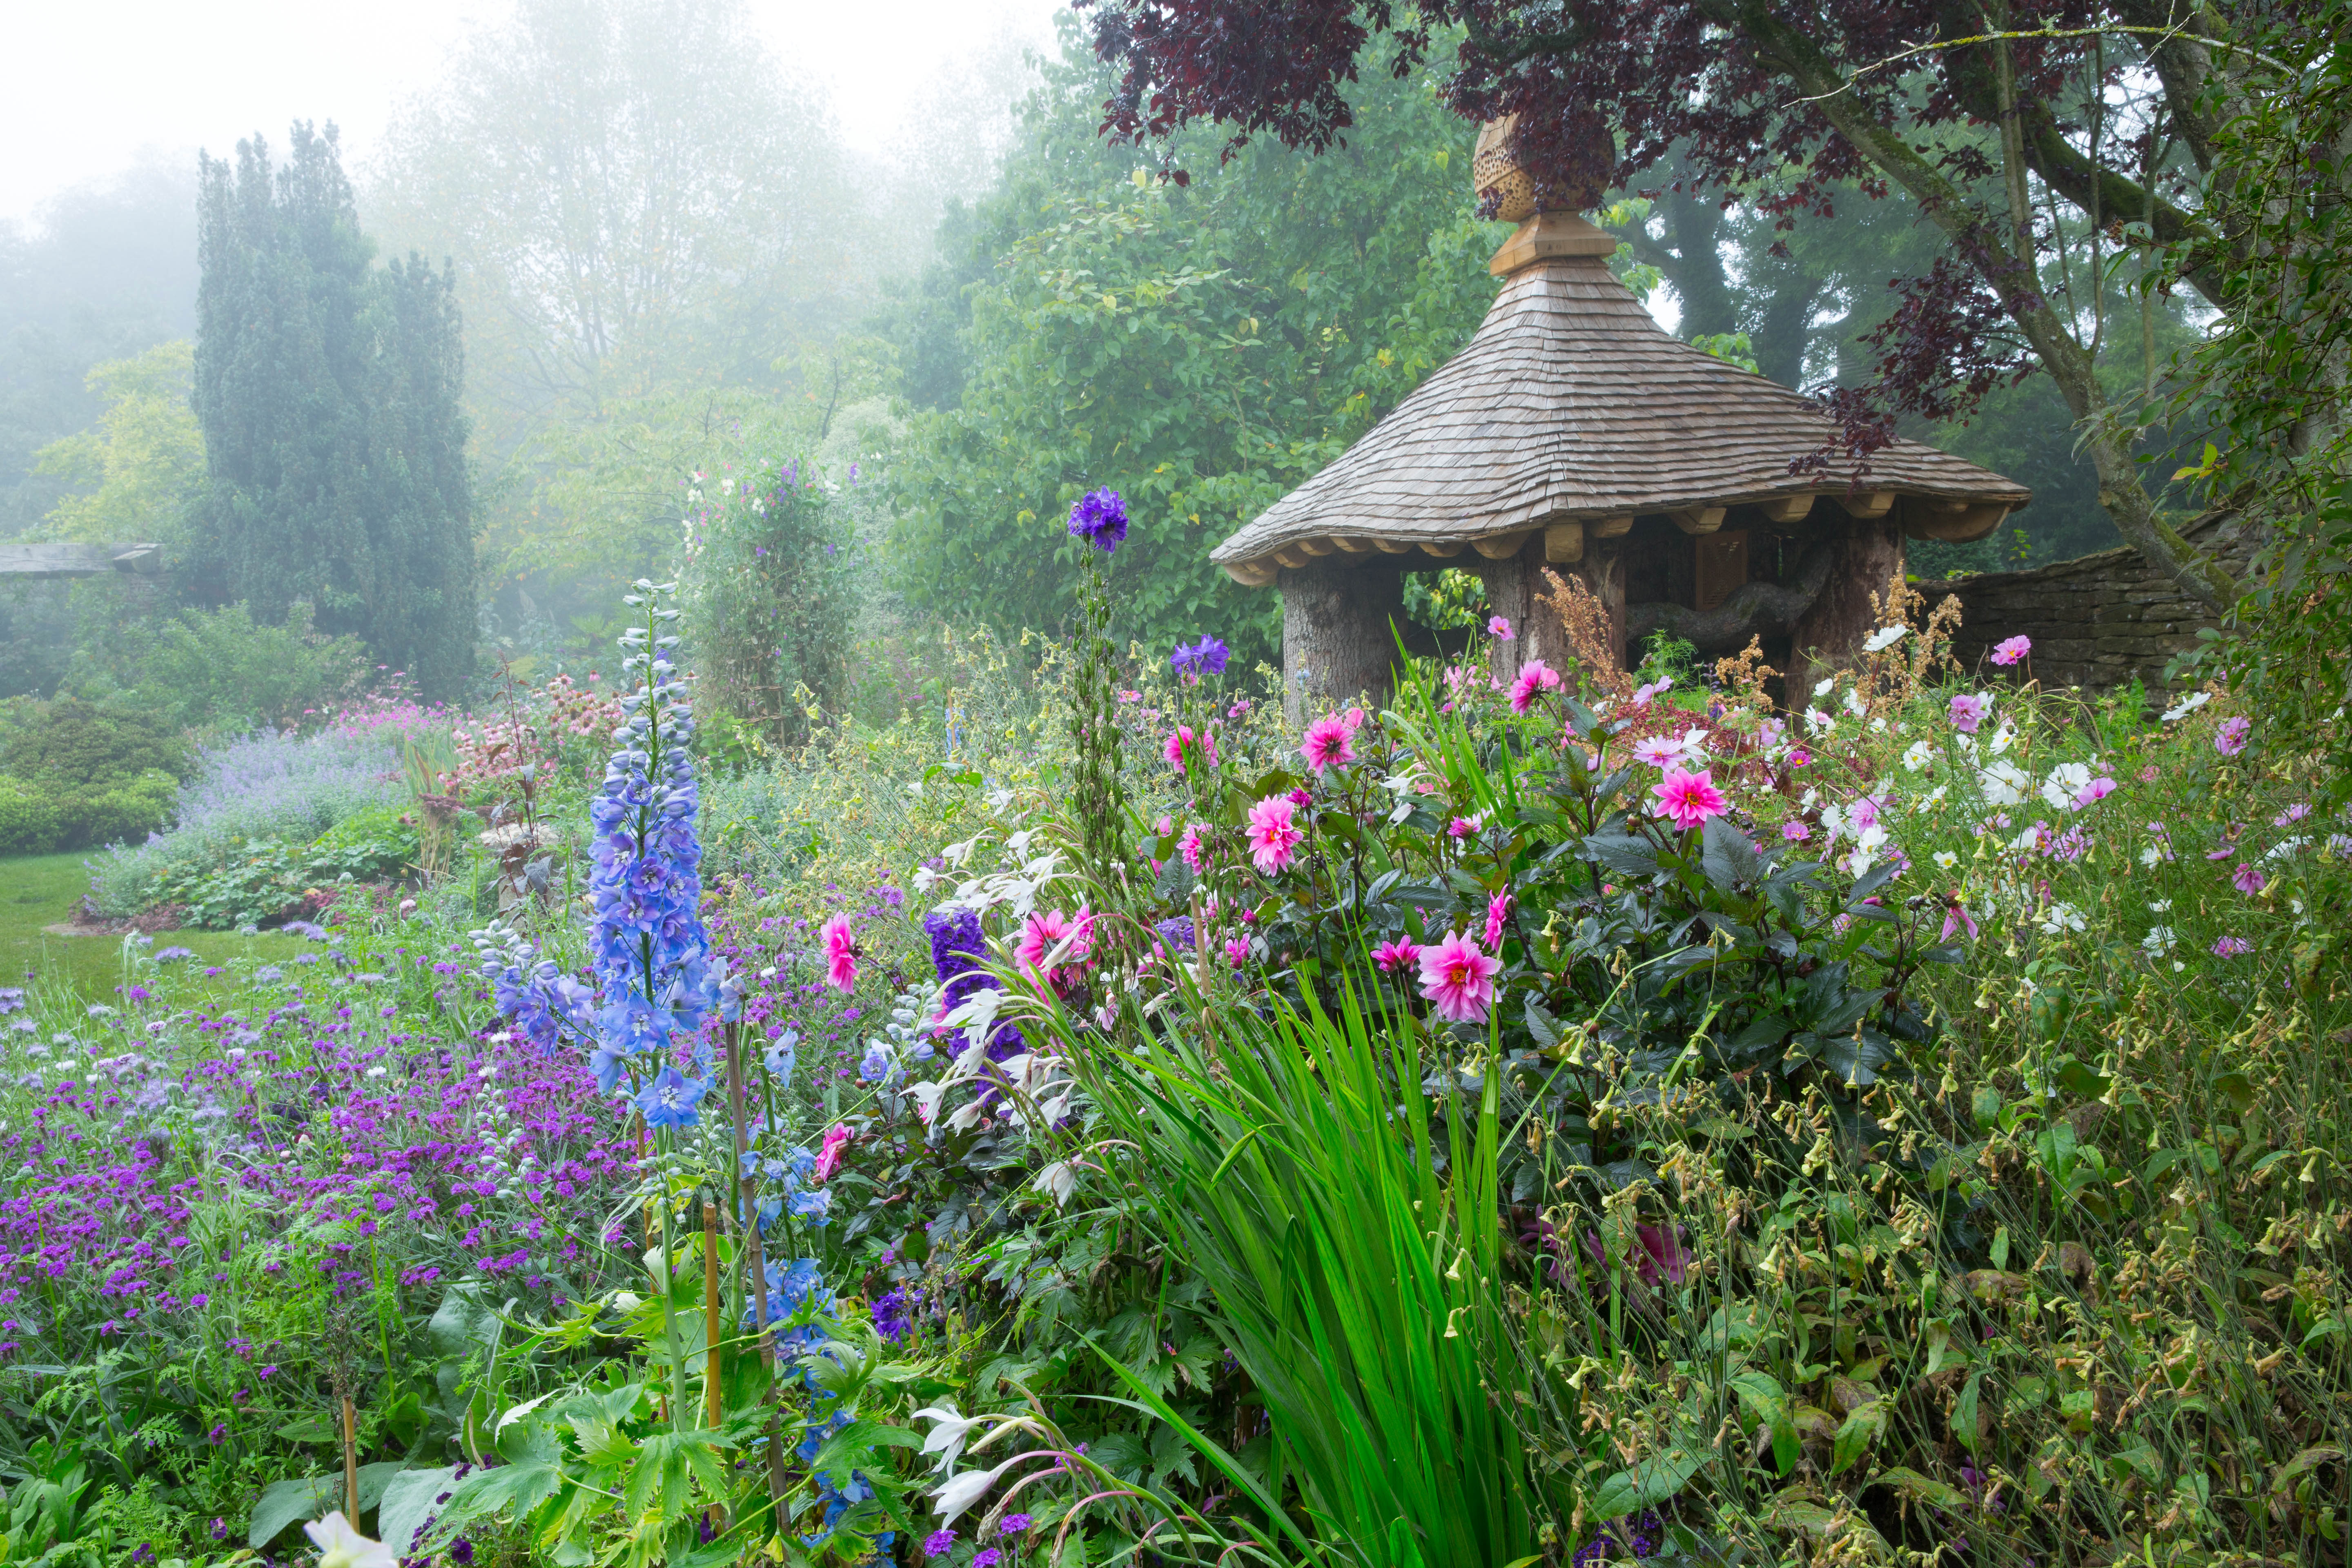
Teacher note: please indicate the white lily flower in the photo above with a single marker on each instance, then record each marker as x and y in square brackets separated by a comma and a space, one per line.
[341, 1546]
[1058, 1181]
[960, 1492]
[947, 1439]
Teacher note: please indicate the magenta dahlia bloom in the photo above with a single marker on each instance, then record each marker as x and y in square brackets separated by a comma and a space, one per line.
[1688, 798]
[1274, 834]
[1392, 956]
[1458, 978]
[1330, 743]
[840, 948]
[1534, 676]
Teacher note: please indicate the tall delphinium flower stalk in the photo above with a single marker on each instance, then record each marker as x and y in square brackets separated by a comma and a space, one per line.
[1098, 798]
[654, 978]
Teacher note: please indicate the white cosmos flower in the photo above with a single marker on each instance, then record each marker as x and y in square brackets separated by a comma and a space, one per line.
[1825, 686]
[1917, 755]
[2158, 942]
[1883, 638]
[1853, 702]
[2004, 783]
[1945, 859]
[2061, 917]
[2187, 705]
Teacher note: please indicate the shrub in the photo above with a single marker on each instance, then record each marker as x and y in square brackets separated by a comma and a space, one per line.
[262, 788]
[76, 744]
[28, 816]
[221, 669]
[769, 600]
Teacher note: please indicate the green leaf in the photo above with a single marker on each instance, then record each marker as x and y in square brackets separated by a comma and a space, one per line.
[1646, 1485]
[1861, 1428]
[407, 1503]
[287, 1502]
[1727, 854]
[530, 1477]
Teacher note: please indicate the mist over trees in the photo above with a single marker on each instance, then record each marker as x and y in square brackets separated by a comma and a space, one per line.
[334, 442]
[671, 271]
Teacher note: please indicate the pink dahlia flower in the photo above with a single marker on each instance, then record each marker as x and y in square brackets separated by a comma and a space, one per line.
[1535, 676]
[1497, 909]
[1273, 834]
[1969, 711]
[1047, 930]
[1392, 956]
[1330, 743]
[1688, 799]
[829, 1153]
[840, 949]
[1458, 978]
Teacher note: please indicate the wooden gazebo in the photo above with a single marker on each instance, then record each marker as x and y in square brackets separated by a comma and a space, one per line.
[1574, 432]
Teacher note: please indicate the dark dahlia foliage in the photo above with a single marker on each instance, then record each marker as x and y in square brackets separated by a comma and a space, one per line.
[1985, 128]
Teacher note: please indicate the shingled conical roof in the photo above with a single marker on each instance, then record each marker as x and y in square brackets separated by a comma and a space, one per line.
[1571, 405]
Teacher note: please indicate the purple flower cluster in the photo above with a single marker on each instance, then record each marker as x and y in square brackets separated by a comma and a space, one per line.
[1099, 517]
[1207, 657]
[894, 1312]
[958, 945]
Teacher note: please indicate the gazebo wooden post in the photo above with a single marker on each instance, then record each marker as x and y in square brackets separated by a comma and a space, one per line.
[1336, 639]
[1841, 617]
[1512, 584]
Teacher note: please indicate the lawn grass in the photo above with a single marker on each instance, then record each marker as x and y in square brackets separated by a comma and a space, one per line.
[41, 891]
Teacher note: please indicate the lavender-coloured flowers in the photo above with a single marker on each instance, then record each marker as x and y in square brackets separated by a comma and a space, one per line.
[1207, 657]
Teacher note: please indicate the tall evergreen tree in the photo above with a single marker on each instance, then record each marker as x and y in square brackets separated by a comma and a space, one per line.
[328, 390]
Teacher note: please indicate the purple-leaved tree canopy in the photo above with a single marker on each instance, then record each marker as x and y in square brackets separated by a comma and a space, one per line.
[2029, 132]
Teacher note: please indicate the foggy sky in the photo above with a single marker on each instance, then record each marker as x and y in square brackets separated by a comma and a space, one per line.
[86, 88]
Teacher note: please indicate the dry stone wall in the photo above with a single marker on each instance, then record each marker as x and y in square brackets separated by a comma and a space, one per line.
[2096, 621]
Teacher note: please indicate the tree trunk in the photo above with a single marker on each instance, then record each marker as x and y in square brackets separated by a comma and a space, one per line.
[1338, 644]
[1865, 562]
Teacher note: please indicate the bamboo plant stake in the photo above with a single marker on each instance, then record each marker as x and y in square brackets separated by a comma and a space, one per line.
[756, 1255]
[351, 1463]
[712, 1399]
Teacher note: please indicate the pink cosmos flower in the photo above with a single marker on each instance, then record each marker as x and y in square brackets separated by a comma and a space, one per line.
[829, 1153]
[2149, 774]
[1969, 711]
[1329, 743]
[1498, 628]
[1956, 916]
[1498, 908]
[1688, 799]
[2292, 813]
[2091, 794]
[1799, 757]
[1658, 751]
[840, 949]
[1045, 930]
[1795, 832]
[1188, 847]
[1180, 737]
[2012, 650]
[1392, 956]
[2231, 738]
[2248, 881]
[1273, 836]
[2233, 947]
[1534, 676]
[1458, 978]
[1463, 826]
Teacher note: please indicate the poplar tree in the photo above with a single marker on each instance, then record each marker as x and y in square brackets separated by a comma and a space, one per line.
[327, 391]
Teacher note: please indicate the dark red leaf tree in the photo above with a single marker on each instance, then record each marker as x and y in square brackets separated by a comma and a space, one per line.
[2024, 129]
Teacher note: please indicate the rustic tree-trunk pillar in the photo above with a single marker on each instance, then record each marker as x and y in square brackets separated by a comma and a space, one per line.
[1827, 635]
[1336, 643]
[1511, 586]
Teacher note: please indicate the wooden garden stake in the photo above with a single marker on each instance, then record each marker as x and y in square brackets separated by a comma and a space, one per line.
[351, 1463]
[756, 1257]
[712, 1325]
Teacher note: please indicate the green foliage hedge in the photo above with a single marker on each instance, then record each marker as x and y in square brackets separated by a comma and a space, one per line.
[74, 772]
